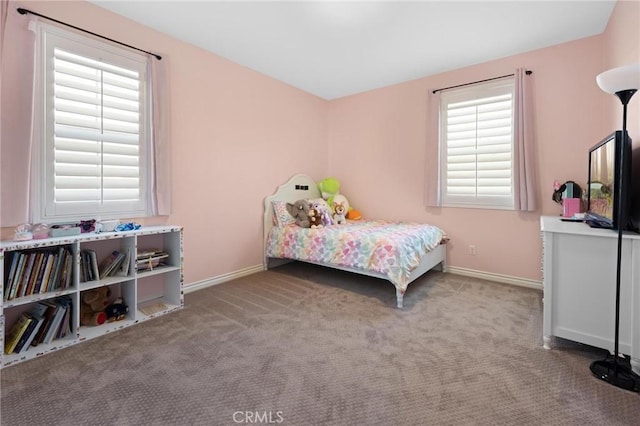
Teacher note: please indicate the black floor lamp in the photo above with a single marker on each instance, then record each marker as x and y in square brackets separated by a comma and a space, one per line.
[623, 82]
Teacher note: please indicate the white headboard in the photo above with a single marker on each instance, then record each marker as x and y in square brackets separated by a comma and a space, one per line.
[297, 188]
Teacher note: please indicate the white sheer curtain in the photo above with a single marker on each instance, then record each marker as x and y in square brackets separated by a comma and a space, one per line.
[161, 148]
[16, 87]
[524, 145]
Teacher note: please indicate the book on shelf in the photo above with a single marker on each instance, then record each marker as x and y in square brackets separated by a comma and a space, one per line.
[149, 259]
[47, 273]
[12, 272]
[17, 276]
[37, 313]
[65, 280]
[28, 269]
[93, 257]
[110, 264]
[126, 262]
[63, 304]
[50, 312]
[16, 333]
[36, 272]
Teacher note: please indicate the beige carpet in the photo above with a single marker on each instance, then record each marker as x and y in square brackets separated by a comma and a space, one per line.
[302, 345]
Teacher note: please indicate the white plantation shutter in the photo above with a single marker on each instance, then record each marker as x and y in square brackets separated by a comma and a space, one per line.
[477, 146]
[96, 129]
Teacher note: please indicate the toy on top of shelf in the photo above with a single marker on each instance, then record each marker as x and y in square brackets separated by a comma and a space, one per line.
[23, 233]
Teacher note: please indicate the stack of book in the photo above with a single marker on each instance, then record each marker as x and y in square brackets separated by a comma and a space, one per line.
[116, 263]
[38, 271]
[45, 322]
[150, 259]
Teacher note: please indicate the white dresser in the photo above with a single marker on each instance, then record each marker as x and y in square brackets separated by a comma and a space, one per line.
[579, 278]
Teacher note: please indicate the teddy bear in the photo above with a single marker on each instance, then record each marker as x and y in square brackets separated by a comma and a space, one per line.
[330, 190]
[315, 218]
[339, 216]
[300, 211]
[92, 306]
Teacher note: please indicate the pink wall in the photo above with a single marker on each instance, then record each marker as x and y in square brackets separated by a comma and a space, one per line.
[238, 134]
[622, 47]
[377, 146]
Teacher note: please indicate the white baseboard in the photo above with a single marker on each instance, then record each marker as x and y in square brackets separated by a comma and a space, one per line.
[505, 279]
[199, 285]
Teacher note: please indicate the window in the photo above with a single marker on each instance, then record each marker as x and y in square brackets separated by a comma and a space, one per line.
[476, 146]
[94, 120]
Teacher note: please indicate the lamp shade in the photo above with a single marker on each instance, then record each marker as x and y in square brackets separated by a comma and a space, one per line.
[619, 79]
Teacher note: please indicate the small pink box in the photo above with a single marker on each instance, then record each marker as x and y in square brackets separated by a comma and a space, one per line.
[570, 206]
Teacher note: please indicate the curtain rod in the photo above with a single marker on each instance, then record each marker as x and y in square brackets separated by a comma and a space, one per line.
[22, 11]
[528, 72]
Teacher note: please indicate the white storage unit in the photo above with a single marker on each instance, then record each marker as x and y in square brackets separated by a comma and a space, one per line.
[579, 278]
[148, 293]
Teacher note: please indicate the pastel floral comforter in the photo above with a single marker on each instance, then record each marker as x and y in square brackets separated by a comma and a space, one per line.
[393, 249]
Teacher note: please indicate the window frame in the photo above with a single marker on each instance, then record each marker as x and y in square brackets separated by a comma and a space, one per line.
[43, 206]
[476, 91]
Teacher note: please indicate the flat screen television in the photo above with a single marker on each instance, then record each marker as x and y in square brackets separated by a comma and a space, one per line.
[602, 192]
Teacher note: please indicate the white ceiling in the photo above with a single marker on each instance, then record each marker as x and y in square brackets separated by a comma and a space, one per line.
[335, 48]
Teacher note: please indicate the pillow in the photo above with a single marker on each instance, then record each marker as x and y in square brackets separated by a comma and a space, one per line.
[281, 216]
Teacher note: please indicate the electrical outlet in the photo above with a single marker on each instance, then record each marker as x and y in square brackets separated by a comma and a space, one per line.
[472, 250]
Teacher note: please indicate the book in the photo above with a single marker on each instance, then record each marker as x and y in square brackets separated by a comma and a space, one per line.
[47, 273]
[37, 312]
[55, 323]
[37, 267]
[43, 267]
[17, 276]
[65, 276]
[93, 257]
[110, 263]
[16, 333]
[50, 312]
[126, 262]
[28, 269]
[56, 270]
[12, 272]
[28, 331]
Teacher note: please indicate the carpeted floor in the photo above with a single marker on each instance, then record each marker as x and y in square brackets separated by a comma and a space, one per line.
[303, 345]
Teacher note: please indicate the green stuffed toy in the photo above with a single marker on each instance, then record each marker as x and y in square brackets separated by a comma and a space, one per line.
[330, 190]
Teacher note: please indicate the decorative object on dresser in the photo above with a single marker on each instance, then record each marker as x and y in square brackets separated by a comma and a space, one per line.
[623, 82]
[57, 292]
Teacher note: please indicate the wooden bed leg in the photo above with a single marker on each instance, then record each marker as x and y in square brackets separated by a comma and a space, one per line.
[399, 296]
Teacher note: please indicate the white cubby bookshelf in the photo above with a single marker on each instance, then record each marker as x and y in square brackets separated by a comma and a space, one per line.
[148, 293]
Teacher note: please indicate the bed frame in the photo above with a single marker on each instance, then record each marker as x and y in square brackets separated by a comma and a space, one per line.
[301, 187]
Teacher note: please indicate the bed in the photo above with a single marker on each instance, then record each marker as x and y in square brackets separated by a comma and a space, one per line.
[393, 251]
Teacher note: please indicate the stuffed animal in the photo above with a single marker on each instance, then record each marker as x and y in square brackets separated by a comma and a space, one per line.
[315, 218]
[300, 211]
[92, 306]
[339, 216]
[330, 189]
[324, 212]
[117, 310]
